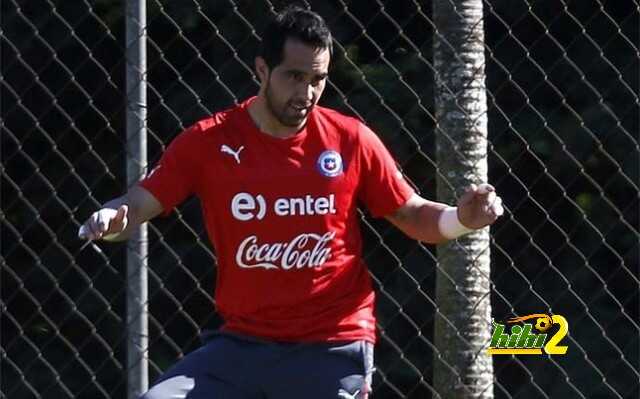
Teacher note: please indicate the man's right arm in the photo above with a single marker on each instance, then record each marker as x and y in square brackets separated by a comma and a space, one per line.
[118, 218]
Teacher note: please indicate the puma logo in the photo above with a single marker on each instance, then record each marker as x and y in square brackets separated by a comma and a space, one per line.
[342, 394]
[236, 154]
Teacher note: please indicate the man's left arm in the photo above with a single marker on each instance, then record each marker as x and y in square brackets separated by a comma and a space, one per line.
[435, 222]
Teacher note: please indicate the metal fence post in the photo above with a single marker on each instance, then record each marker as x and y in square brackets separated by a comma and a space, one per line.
[137, 298]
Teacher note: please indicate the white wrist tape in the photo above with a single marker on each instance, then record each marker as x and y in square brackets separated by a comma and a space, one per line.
[449, 224]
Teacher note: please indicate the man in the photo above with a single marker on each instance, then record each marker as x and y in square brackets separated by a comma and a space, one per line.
[279, 180]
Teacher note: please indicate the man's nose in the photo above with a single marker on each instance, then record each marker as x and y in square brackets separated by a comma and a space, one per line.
[305, 91]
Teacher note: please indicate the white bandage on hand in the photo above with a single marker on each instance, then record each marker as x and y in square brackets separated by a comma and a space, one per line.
[450, 226]
[102, 218]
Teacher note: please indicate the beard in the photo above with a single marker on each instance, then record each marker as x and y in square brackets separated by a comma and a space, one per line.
[285, 113]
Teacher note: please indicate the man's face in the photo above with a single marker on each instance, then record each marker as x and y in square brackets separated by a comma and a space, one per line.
[293, 87]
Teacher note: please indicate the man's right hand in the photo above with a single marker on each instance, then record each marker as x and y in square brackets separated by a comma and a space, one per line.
[110, 223]
[105, 223]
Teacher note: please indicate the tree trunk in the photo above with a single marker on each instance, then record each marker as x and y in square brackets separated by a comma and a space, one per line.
[462, 368]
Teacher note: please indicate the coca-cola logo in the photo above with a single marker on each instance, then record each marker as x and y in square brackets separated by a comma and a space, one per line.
[305, 250]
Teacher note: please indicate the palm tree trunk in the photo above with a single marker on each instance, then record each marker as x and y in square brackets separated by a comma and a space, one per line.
[462, 368]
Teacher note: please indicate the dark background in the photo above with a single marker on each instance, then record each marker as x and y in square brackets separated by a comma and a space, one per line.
[562, 81]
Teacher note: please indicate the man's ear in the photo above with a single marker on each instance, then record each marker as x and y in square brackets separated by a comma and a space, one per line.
[262, 69]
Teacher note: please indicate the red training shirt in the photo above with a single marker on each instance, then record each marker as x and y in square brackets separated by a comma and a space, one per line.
[281, 214]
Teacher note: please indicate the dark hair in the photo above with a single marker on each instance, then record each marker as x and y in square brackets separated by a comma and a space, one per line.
[297, 23]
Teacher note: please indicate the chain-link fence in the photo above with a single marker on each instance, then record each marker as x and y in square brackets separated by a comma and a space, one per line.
[562, 92]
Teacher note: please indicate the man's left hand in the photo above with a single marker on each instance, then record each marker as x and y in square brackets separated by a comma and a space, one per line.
[479, 206]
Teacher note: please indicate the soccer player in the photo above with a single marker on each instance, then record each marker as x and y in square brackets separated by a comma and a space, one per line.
[279, 179]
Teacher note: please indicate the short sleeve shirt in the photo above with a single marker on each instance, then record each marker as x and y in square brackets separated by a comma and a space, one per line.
[282, 217]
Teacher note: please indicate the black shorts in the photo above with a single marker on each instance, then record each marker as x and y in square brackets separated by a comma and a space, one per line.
[230, 366]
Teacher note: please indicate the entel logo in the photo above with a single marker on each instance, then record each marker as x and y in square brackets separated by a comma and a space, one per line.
[245, 206]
